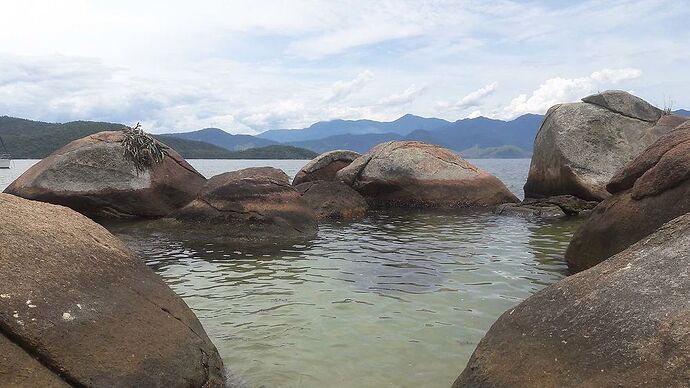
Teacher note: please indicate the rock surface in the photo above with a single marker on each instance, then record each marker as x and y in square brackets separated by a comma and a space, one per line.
[77, 308]
[580, 146]
[416, 174]
[91, 176]
[625, 322]
[651, 190]
[254, 205]
[325, 166]
[333, 200]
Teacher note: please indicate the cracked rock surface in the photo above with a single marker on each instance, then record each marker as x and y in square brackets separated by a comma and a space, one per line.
[253, 205]
[416, 174]
[91, 176]
[580, 146]
[78, 308]
[622, 323]
[651, 190]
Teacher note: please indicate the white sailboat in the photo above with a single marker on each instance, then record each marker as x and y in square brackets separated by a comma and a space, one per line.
[5, 157]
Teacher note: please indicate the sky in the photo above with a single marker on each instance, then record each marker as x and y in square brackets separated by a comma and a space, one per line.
[250, 66]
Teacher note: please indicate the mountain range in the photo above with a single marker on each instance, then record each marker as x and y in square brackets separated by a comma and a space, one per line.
[475, 137]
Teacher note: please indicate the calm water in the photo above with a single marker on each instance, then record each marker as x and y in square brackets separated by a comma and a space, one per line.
[399, 299]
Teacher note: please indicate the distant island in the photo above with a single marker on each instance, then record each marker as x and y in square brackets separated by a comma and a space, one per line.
[473, 138]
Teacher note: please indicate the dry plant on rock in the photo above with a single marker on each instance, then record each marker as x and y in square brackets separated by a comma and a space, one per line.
[141, 148]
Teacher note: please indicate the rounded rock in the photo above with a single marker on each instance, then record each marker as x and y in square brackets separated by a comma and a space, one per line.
[254, 205]
[78, 308]
[91, 176]
[416, 174]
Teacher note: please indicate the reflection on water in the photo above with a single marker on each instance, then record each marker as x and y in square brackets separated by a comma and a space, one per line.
[397, 299]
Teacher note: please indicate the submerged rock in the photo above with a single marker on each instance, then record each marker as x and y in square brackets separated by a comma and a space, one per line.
[651, 190]
[255, 205]
[77, 308]
[333, 200]
[91, 176]
[548, 208]
[541, 211]
[580, 146]
[325, 166]
[625, 322]
[416, 174]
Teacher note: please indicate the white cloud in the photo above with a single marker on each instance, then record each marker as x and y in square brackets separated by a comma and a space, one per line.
[406, 97]
[472, 99]
[559, 90]
[474, 114]
[342, 89]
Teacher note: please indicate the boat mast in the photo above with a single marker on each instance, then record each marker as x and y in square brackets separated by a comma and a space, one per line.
[4, 148]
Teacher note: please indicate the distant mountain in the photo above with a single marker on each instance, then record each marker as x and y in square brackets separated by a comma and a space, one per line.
[28, 139]
[682, 112]
[274, 152]
[482, 132]
[218, 137]
[478, 136]
[323, 129]
[359, 143]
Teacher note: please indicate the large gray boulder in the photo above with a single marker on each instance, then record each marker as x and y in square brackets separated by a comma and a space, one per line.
[91, 176]
[255, 205]
[325, 166]
[623, 323]
[580, 146]
[651, 190]
[416, 174]
[78, 308]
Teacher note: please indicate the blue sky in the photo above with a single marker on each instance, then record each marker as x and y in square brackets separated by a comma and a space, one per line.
[248, 66]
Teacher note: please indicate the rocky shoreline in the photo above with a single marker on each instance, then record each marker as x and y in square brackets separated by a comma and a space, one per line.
[613, 159]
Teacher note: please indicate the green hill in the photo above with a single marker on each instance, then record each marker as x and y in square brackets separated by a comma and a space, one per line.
[28, 139]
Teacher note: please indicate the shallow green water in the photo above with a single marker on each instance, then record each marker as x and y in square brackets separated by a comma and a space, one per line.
[397, 299]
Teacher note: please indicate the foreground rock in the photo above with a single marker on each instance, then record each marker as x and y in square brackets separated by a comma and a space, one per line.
[415, 174]
[558, 206]
[91, 176]
[625, 322]
[649, 191]
[580, 146]
[254, 205]
[77, 308]
[333, 200]
[325, 166]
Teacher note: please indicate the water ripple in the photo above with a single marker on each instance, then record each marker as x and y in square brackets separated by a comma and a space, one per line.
[397, 299]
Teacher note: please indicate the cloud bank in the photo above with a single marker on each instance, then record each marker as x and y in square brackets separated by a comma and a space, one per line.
[249, 66]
